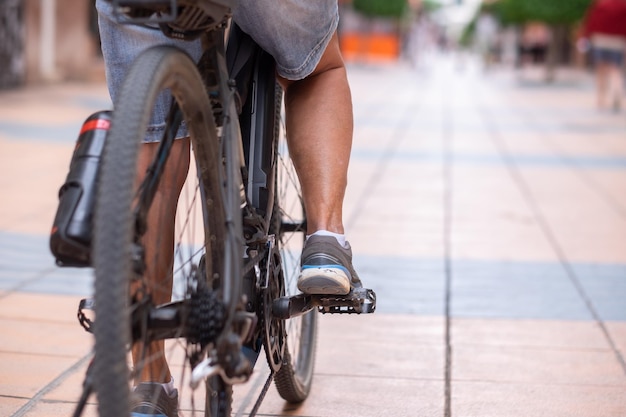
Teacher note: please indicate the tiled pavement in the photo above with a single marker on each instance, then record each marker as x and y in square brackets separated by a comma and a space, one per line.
[489, 213]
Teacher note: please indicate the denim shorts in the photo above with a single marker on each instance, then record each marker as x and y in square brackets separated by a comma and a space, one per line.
[608, 56]
[294, 32]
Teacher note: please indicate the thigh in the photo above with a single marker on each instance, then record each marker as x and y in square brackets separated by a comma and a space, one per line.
[294, 32]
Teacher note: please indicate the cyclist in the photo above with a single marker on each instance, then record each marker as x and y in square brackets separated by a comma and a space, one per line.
[301, 36]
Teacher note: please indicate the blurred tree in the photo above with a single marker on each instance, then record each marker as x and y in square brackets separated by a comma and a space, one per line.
[551, 12]
[509, 12]
[560, 15]
[429, 6]
[381, 8]
[468, 33]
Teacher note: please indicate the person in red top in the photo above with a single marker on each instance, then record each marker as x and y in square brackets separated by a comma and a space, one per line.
[605, 26]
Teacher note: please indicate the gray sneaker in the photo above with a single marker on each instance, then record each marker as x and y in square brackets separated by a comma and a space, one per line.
[326, 267]
[151, 400]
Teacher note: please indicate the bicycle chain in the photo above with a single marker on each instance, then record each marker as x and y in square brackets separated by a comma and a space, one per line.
[274, 346]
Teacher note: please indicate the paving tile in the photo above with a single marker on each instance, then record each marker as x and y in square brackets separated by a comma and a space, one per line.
[488, 228]
[605, 285]
[353, 373]
[24, 252]
[9, 405]
[403, 329]
[34, 195]
[29, 266]
[609, 183]
[70, 389]
[564, 202]
[41, 308]
[514, 290]
[536, 365]
[23, 375]
[59, 409]
[362, 397]
[396, 209]
[64, 281]
[491, 399]
[41, 338]
[380, 348]
[404, 284]
[617, 331]
[567, 335]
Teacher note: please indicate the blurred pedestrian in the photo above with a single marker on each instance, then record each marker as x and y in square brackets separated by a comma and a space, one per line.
[534, 43]
[605, 27]
[487, 40]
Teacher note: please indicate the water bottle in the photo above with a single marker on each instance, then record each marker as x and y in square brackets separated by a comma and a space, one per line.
[70, 237]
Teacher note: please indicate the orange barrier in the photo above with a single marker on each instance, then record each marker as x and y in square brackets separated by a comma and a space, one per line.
[370, 46]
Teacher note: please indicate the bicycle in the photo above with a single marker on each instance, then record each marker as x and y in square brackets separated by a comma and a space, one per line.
[240, 226]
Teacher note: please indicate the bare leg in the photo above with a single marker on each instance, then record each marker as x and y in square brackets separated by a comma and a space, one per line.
[319, 126]
[159, 244]
[616, 86]
[601, 84]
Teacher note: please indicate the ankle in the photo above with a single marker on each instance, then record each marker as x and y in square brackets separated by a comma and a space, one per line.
[341, 238]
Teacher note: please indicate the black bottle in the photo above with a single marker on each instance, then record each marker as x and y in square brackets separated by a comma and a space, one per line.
[70, 238]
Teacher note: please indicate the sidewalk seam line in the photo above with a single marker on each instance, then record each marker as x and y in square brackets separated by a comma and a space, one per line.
[448, 135]
[51, 386]
[526, 191]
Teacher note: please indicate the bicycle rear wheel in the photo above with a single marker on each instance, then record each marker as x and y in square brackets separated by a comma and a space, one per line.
[133, 277]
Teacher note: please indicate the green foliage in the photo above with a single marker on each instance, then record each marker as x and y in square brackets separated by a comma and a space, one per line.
[430, 5]
[557, 11]
[548, 11]
[509, 12]
[469, 31]
[381, 8]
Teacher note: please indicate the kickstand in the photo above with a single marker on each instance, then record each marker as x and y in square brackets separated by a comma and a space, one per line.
[87, 391]
[259, 400]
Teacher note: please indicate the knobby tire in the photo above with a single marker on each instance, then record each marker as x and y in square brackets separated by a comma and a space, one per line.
[116, 229]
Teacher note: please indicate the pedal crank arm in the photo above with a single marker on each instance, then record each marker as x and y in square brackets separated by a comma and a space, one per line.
[284, 308]
[87, 391]
[358, 301]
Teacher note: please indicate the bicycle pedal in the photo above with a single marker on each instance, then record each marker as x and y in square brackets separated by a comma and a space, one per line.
[86, 304]
[358, 301]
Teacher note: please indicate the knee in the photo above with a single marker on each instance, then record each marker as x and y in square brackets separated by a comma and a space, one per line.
[331, 60]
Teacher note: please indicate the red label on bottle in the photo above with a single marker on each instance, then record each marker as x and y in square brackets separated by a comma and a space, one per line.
[95, 124]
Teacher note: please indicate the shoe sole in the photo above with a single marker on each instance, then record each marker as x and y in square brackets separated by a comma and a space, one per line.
[324, 281]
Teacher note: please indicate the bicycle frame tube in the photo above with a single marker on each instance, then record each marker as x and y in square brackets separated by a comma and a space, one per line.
[234, 197]
[254, 72]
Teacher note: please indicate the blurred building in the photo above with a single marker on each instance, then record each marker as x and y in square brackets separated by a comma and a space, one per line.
[47, 40]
